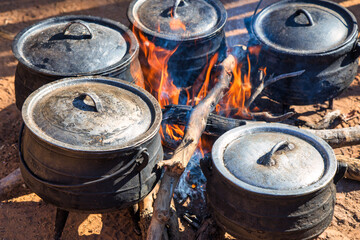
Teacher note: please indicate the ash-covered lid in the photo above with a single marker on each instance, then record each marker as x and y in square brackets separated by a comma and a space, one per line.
[274, 159]
[178, 19]
[304, 26]
[74, 45]
[92, 114]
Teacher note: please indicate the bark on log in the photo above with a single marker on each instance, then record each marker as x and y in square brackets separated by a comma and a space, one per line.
[8, 183]
[339, 137]
[175, 166]
[218, 125]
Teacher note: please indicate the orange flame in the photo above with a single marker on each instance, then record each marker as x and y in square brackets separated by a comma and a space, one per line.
[233, 103]
[158, 82]
[176, 24]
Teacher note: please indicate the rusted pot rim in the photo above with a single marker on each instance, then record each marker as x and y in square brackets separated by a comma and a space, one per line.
[132, 50]
[146, 97]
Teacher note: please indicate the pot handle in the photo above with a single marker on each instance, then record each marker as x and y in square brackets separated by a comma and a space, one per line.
[267, 159]
[206, 165]
[307, 14]
[340, 172]
[140, 160]
[98, 106]
[176, 5]
[67, 27]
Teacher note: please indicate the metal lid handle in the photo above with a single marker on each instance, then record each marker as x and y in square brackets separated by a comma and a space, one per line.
[267, 159]
[98, 106]
[67, 27]
[177, 3]
[307, 14]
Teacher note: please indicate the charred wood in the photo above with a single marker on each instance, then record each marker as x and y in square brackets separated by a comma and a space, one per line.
[175, 166]
[218, 125]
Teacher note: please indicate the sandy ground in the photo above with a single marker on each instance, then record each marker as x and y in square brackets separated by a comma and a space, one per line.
[26, 216]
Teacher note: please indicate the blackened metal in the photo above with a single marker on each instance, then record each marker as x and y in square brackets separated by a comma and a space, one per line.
[91, 177]
[73, 46]
[251, 212]
[341, 170]
[60, 221]
[203, 38]
[318, 36]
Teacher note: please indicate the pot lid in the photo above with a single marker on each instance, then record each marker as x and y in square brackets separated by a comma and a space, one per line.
[74, 45]
[92, 114]
[274, 159]
[178, 19]
[304, 26]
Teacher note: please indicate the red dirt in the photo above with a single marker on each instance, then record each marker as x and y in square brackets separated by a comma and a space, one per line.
[26, 216]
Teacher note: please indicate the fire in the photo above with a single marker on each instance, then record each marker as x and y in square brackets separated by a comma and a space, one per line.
[176, 24]
[160, 84]
[233, 103]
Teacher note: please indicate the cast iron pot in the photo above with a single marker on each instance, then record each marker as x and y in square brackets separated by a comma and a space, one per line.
[271, 181]
[317, 36]
[71, 46]
[204, 35]
[90, 143]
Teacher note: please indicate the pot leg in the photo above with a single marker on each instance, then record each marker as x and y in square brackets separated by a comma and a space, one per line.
[285, 108]
[135, 215]
[61, 217]
[331, 104]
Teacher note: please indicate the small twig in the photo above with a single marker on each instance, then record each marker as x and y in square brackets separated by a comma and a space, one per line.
[264, 84]
[267, 117]
[329, 121]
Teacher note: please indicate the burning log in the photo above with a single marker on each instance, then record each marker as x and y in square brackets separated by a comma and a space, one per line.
[8, 183]
[175, 166]
[218, 125]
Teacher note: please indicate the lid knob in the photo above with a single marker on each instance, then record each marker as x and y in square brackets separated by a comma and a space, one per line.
[267, 159]
[176, 5]
[307, 15]
[67, 28]
[97, 103]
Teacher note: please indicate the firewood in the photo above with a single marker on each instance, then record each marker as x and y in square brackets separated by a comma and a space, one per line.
[339, 137]
[218, 125]
[8, 183]
[353, 170]
[175, 166]
[264, 84]
[329, 121]
[6, 35]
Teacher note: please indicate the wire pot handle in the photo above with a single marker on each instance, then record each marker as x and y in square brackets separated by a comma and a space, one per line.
[139, 161]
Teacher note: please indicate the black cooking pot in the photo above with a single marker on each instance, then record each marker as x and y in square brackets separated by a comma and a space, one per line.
[317, 36]
[204, 36]
[71, 46]
[91, 143]
[271, 181]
